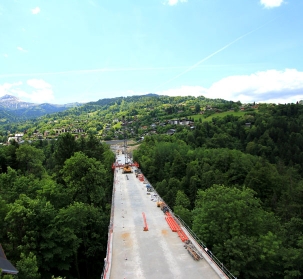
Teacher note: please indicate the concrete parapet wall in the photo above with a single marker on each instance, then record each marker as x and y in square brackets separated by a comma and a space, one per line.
[108, 259]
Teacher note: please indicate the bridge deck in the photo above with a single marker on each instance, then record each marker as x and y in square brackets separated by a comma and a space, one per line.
[153, 254]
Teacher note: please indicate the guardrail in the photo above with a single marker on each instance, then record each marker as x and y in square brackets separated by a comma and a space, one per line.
[203, 246]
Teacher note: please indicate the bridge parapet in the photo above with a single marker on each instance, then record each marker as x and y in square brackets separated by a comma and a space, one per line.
[108, 260]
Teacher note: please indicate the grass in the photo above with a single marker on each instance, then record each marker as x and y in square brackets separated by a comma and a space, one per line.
[117, 125]
[220, 114]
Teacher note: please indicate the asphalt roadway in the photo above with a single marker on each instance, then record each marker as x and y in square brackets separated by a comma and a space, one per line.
[157, 253]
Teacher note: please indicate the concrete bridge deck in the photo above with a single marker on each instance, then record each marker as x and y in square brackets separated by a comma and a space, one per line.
[153, 254]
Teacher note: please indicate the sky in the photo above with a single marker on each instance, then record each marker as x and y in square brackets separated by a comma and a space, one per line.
[84, 50]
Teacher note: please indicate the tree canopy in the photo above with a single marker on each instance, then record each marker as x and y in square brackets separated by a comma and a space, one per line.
[54, 206]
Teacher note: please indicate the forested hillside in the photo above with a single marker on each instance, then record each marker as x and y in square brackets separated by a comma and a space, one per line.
[55, 201]
[104, 117]
[237, 182]
[232, 172]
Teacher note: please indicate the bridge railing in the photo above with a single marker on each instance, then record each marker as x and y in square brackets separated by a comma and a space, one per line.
[203, 246]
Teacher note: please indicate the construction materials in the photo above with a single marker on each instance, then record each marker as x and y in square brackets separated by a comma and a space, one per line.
[164, 207]
[145, 228]
[159, 203]
[174, 226]
[192, 250]
[141, 177]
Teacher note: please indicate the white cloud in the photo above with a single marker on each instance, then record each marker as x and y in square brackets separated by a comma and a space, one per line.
[266, 86]
[42, 91]
[270, 86]
[5, 55]
[271, 3]
[21, 49]
[6, 88]
[36, 11]
[174, 2]
[36, 91]
[38, 83]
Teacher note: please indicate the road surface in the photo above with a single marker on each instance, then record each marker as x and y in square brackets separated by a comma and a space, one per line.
[157, 253]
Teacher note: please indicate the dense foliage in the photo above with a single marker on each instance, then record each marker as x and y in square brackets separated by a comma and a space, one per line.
[237, 182]
[54, 206]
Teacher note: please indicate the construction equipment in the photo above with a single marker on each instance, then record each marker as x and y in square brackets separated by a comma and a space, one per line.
[127, 169]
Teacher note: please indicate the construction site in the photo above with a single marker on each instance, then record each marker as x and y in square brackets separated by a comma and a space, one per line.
[145, 238]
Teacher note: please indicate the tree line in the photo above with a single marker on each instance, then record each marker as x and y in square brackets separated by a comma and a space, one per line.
[55, 201]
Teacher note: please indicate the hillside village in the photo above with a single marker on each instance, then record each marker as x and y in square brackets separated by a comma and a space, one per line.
[117, 134]
[144, 116]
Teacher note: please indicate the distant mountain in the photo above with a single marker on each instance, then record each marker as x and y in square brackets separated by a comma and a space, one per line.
[13, 108]
[13, 103]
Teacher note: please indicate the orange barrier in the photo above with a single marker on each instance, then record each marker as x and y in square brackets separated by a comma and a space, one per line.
[145, 228]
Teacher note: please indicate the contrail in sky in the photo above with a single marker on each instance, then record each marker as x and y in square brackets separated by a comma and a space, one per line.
[130, 69]
[213, 54]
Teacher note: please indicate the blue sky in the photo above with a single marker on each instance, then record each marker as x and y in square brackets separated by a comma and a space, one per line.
[78, 51]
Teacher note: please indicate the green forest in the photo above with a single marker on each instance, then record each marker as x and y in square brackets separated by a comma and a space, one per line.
[55, 199]
[234, 177]
[238, 187]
